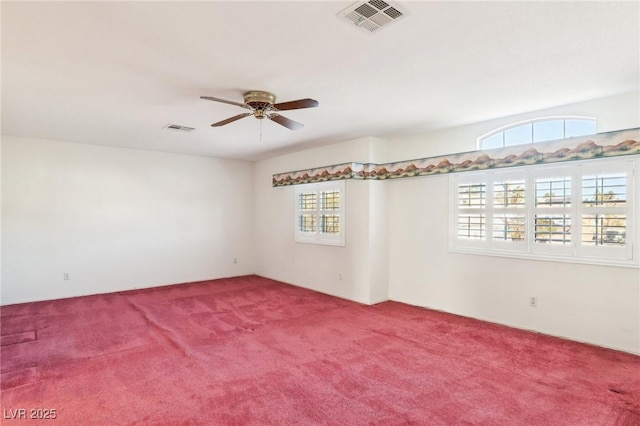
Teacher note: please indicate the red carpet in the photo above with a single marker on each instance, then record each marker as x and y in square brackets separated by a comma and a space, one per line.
[254, 351]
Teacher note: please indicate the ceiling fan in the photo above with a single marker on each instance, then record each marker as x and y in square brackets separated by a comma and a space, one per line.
[262, 105]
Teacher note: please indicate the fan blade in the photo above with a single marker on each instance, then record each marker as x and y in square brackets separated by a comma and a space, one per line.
[286, 122]
[231, 120]
[299, 104]
[224, 101]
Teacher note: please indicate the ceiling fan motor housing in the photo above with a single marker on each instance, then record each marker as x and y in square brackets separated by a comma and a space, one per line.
[260, 102]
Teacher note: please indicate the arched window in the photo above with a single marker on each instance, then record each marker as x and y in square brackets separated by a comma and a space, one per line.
[538, 130]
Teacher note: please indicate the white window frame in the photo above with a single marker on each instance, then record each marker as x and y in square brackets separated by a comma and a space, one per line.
[552, 173]
[575, 251]
[469, 179]
[631, 218]
[318, 237]
[498, 245]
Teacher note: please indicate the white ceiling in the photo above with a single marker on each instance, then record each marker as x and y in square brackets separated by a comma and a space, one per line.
[116, 73]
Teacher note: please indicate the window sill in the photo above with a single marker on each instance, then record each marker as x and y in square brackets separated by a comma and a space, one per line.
[630, 263]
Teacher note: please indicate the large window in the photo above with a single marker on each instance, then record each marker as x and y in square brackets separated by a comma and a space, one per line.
[579, 212]
[320, 213]
[539, 130]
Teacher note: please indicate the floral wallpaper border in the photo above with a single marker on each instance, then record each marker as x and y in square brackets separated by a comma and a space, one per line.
[611, 144]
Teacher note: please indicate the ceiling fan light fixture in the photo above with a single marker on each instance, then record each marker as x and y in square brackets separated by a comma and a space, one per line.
[262, 105]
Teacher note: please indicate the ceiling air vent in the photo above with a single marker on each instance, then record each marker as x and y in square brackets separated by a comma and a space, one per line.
[179, 128]
[372, 15]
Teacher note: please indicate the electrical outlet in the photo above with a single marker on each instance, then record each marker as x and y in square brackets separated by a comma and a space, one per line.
[533, 301]
[235, 260]
[65, 276]
[340, 276]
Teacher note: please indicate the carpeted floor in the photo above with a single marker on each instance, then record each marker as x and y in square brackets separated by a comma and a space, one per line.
[250, 350]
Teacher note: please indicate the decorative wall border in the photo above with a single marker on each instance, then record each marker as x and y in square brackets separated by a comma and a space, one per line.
[611, 144]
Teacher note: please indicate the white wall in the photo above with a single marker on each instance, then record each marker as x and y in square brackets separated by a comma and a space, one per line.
[357, 271]
[595, 304]
[116, 219]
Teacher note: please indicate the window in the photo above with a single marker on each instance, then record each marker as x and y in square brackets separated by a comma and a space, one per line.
[320, 213]
[539, 130]
[508, 209]
[580, 212]
[552, 210]
[471, 217]
[604, 198]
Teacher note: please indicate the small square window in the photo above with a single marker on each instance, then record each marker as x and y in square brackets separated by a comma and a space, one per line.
[320, 213]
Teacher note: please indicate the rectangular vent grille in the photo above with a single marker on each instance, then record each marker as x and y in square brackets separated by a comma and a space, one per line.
[179, 128]
[372, 15]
